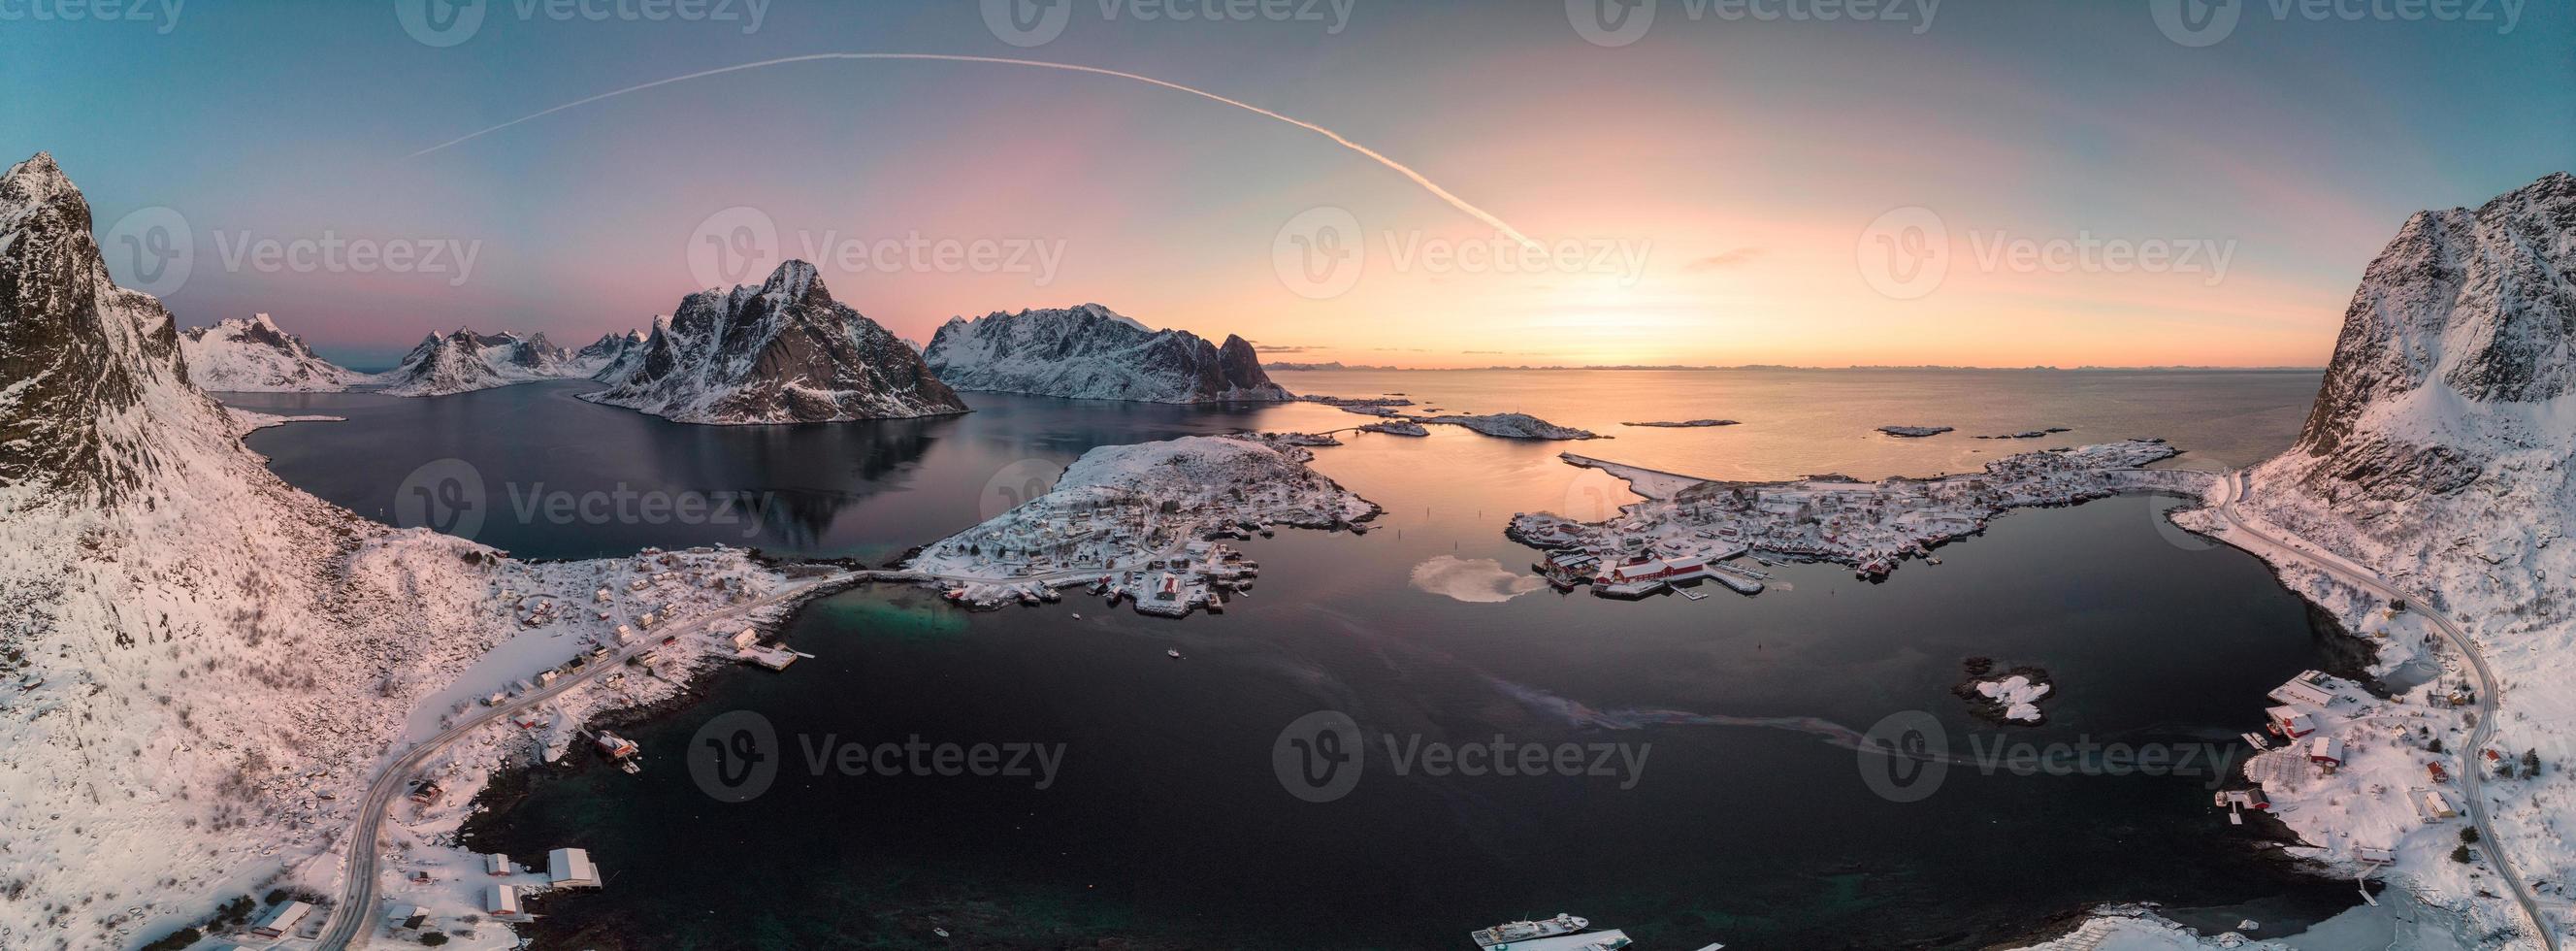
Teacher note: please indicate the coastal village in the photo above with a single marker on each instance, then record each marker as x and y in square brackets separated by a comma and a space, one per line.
[1690, 530]
[1146, 524]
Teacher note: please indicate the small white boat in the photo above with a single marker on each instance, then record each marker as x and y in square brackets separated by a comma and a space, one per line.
[1077, 615]
[1175, 655]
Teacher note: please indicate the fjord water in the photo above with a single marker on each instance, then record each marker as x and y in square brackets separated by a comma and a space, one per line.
[1167, 825]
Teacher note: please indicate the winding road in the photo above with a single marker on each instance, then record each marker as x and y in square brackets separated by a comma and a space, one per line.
[2233, 488]
[353, 912]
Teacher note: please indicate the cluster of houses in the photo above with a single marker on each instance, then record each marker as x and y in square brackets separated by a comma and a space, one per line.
[1161, 545]
[565, 868]
[2319, 717]
[1870, 526]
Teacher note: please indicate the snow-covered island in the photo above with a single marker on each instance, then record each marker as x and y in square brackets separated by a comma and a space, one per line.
[1914, 432]
[1687, 528]
[1347, 401]
[1684, 424]
[1511, 426]
[1404, 427]
[1092, 352]
[465, 361]
[2026, 434]
[1146, 521]
[239, 355]
[2014, 697]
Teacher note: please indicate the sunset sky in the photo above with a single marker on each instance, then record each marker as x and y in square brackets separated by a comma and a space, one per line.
[2017, 184]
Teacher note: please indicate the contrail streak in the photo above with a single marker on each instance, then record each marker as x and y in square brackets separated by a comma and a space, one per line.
[1400, 168]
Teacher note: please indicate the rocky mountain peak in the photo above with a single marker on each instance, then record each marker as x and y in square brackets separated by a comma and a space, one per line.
[2479, 303]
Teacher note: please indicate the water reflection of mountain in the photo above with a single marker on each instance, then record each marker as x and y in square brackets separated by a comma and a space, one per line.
[798, 480]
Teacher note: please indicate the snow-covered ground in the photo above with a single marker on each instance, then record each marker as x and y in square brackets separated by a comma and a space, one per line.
[2017, 694]
[253, 356]
[1868, 525]
[1144, 509]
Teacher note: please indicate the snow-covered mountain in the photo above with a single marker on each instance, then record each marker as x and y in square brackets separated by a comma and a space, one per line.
[782, 352]
[464, 361]
[605, 353]
[1091, 352]
[251, 355]
[204, 667]
[2440, 460]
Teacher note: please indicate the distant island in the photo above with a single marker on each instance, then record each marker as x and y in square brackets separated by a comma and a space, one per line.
[1914, 432]
[1685, 424]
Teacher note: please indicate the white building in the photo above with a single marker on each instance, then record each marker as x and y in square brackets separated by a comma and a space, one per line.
[571, 868]
[496, 864]
[501, 899]
[280, 919]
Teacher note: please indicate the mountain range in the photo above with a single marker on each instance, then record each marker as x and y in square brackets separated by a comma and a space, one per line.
[1092, 352]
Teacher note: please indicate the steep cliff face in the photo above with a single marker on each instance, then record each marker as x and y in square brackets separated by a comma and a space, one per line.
[464, 361]
[1091, 352]
[90, 373]
[252, 355]
[2456, 354]
[782, 352]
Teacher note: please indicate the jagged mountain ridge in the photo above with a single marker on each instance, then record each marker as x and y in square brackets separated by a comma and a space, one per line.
[782, 352]
[1092, 352]
[251, 355]
[464, 361]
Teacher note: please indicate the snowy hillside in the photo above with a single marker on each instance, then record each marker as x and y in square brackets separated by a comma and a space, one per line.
[2435, 466]
[253, 356]
[465, 361]
[1091, 352]
[782, 352]
[205, 667]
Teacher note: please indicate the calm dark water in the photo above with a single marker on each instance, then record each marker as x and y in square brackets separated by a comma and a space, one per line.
[1167, 825]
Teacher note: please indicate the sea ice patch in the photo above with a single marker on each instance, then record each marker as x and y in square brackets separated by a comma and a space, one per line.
[1477, 580]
